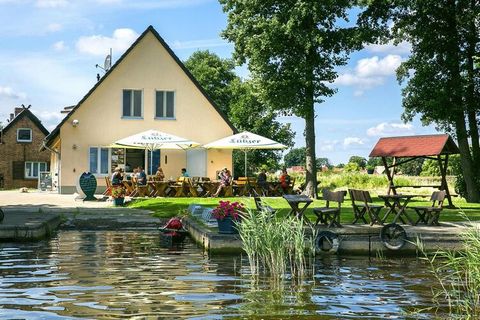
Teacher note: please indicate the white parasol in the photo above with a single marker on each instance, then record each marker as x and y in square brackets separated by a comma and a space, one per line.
[245, 141]
[154, 140]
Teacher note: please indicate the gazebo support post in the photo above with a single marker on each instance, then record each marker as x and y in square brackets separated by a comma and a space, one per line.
[443, 165]
[391, 186]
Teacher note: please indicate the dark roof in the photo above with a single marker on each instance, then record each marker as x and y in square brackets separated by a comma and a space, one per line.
[151, 29]
[26, 113]
[415, 146]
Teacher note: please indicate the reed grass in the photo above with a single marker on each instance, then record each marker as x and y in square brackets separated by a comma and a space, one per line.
[274, 245]
[458, 274]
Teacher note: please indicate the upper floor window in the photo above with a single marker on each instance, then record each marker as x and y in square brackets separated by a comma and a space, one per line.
[165, 104]
[24, 135]
[132, 103]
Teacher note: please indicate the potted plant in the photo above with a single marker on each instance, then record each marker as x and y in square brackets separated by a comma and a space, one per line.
[118, 195]
[227, 214]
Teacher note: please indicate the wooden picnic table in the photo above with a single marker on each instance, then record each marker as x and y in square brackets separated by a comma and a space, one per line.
[397, 204]
[294, 200]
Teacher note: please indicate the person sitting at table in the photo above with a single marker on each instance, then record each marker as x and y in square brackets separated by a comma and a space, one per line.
[284, 181]
[184, 173]
[141, 177]
[159, 175]
[262, 181]
[225, 181]
[117, 177]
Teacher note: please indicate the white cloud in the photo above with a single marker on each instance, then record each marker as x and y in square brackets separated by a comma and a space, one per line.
[390, 48]
[348, 141]
[59, 46]
[369, 73]
[51, 3]
[54, 27]
[100, 45]
[374, 66]
[390, 129]
[50, 119]
[8, 92]
[328, 145]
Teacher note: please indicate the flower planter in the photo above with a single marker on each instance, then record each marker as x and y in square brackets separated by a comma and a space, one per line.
[226, 226]
[118, 201]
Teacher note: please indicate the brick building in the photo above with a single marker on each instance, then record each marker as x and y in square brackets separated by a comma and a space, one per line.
[20, 157]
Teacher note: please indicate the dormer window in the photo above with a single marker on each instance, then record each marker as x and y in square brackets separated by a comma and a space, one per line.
[132, 103]
[24, 135]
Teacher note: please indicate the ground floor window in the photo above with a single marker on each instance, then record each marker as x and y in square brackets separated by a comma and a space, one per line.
[105, 160]
[99, 160]
[32, 169]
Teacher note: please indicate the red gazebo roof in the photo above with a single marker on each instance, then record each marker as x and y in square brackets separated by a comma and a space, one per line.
[415, 146]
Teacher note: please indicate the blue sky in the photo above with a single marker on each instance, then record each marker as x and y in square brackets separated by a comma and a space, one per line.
[49, 49]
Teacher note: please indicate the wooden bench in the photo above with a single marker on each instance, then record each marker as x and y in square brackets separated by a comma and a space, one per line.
[362, 204]
[430, 214]
[327, 215]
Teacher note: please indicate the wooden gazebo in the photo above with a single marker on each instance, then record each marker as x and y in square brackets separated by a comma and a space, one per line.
[436, 147]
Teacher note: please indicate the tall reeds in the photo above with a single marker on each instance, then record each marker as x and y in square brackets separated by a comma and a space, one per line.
[458, 274]
[275, 245]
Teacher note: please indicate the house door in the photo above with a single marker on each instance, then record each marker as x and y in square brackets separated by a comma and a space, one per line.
[197, 162]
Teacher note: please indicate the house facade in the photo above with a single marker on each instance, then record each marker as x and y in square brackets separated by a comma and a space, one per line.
[147, 88]
[20, 142]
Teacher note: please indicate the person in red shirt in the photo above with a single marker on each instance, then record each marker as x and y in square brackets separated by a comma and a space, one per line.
[285, 180]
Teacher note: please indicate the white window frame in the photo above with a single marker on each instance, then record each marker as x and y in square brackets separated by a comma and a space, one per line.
[165, 104]
[99, 161]
[31, 135]
[132, 107]
[33, 163]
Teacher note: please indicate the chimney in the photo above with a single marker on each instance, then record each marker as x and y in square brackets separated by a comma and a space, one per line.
[12, 116]
[18, 110]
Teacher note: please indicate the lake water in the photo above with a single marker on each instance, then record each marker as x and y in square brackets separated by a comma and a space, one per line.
[126, 274]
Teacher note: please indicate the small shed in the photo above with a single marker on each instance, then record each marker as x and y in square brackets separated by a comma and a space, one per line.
[405, 149]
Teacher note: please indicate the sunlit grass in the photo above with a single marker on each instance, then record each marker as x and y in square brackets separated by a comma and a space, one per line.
[169, 207]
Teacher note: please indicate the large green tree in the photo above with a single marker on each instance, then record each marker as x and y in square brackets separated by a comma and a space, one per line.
[441, 82]
[295, 157]
[237, 100]
[292, 48]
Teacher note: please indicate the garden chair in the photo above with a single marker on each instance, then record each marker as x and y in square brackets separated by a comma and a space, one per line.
[130, 190]
[180, 187]
[192, 189]
[108, 190]
[261, 206]
[430, 214]
[330, 216]
[362, 204]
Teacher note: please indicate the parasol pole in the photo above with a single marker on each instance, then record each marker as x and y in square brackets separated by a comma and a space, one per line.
[245, 151]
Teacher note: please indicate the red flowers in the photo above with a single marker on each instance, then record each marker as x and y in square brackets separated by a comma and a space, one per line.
[228, 209]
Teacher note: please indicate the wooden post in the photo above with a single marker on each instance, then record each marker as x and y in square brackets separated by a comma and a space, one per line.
[391, 186]
[444, 185]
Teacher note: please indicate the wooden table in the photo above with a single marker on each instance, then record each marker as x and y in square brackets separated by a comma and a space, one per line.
[294, 200]
[396, 204]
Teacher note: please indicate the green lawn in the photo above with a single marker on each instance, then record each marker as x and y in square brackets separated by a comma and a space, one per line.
[169, 207]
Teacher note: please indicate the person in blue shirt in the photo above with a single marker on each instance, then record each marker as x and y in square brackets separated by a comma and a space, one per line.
[184, 173]
[141, 177]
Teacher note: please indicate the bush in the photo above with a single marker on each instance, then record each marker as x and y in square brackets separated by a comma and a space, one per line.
[352, 167]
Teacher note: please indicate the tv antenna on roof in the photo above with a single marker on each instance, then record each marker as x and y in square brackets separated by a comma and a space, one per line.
[107, 64]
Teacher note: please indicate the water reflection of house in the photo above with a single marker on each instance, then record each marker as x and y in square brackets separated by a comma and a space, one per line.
[20, 160]
[147, 88]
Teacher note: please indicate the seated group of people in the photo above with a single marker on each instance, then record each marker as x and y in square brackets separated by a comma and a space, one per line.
[138, 175]
[225, 177]
[284, 180]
